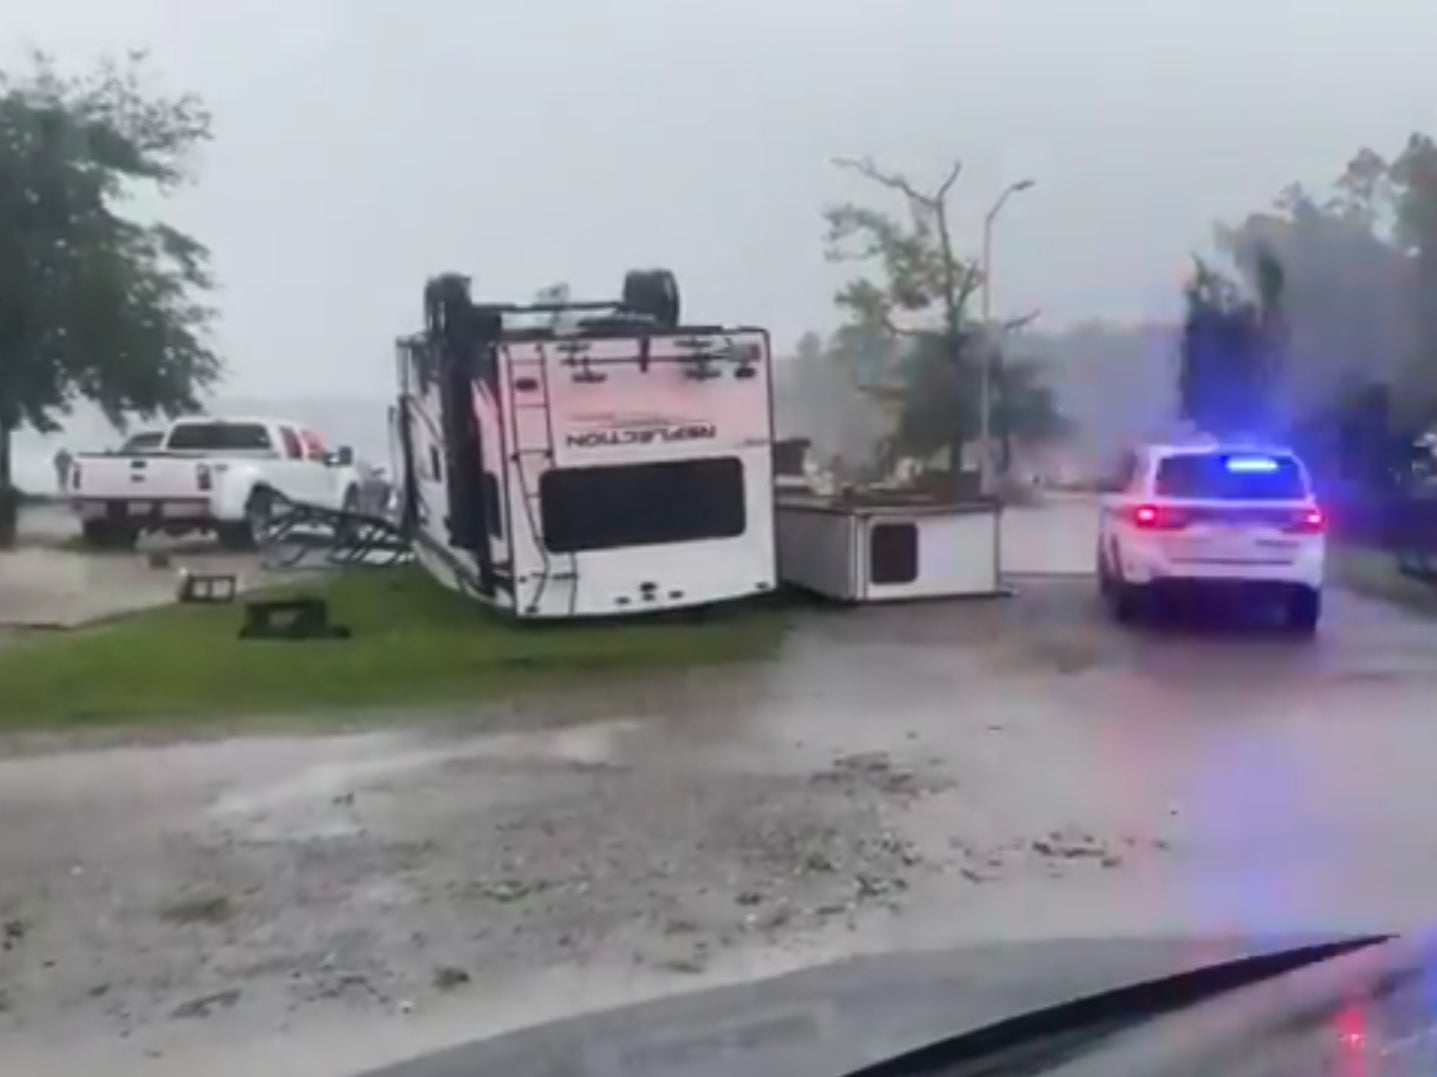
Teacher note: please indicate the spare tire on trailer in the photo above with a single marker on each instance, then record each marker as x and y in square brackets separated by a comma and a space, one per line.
[445, 296]
[653, 292]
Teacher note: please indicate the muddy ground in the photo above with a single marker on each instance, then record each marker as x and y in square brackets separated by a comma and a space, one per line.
[910, 776]
[51, 581]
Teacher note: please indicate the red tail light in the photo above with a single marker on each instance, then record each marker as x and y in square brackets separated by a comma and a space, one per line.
[203, 478]
[1308, 522]
[1158, 518]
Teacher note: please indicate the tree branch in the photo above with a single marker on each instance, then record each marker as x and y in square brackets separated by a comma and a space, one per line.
[892, 180]
[972, 277]
[949, 180]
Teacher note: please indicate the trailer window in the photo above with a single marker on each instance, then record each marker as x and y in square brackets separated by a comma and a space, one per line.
[893, 553]
[219, 437]
[603, 508]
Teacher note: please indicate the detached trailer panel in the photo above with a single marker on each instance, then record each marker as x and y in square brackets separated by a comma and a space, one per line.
[874, 553]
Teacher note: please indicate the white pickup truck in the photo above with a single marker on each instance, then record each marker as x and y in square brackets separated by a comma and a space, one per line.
[209, 474]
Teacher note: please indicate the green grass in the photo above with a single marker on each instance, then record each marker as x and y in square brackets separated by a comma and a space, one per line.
[413, 642]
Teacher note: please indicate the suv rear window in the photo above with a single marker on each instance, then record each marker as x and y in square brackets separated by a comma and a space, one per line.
[220, 437]
[1220, 476]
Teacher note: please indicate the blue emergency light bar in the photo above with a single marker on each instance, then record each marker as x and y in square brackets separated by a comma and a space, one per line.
[1251, 464]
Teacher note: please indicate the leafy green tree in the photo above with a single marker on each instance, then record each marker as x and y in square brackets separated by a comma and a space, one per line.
[1025, 409]
[909, 340]
[1413, 178]
[95, 303]
[810, 348]
[1230, 358]
[1361, 285]
[1347, 310]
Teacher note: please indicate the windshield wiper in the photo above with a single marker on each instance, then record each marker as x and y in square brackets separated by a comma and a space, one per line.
[1039, 1039]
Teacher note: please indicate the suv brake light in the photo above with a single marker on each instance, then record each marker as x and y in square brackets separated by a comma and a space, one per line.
[1308, 522]
[1158, 518]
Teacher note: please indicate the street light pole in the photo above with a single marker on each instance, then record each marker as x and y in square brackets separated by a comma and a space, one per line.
[985, 386]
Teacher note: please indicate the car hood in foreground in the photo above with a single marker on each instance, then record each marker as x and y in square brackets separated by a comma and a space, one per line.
[833, 1019]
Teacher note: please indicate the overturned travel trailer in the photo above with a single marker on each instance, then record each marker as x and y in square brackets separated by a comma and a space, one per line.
[586, 459]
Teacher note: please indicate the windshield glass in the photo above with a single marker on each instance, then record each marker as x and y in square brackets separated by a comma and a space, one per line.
[1230, 477]
[143, 442]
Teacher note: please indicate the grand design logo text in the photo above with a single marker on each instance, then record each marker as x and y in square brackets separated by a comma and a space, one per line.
[653, 435]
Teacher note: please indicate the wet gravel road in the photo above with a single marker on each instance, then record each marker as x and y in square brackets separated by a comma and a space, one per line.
[911, 776]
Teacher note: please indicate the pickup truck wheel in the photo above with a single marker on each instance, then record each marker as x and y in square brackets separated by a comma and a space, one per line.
[257, 512]
[245, 535]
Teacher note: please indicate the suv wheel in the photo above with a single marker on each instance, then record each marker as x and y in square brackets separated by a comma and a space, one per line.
[1105, 578]
[1304, 610]
[1128, 602]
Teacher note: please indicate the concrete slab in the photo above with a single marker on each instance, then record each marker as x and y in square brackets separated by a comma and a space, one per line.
[47, 583]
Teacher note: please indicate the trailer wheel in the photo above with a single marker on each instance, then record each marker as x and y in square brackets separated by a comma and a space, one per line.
[654, 292]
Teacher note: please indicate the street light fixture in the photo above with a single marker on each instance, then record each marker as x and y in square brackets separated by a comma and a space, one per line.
[985, 392]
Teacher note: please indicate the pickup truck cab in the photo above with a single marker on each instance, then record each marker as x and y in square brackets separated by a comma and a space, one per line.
[208, 475]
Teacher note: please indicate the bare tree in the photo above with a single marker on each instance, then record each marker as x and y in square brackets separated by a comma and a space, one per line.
[922, 275]
[917, 296]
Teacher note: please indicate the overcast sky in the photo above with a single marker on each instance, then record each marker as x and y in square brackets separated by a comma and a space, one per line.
[365, 144]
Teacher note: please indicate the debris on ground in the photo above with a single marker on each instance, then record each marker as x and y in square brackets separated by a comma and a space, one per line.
[12, 934]
[199, 909]
[358, 895]
[448, 977]
[207, 1004]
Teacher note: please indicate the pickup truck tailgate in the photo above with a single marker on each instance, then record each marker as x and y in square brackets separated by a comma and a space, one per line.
[157, 478]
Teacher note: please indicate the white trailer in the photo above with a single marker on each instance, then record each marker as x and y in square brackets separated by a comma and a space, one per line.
[885, 548]
[619, 464]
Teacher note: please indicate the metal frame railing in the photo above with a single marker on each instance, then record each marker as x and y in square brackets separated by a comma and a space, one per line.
[295, 534]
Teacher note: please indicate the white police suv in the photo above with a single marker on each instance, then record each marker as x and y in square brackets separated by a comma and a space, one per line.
[1211, 514]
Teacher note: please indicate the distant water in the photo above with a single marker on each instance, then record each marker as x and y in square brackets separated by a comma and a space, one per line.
[33, 471]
